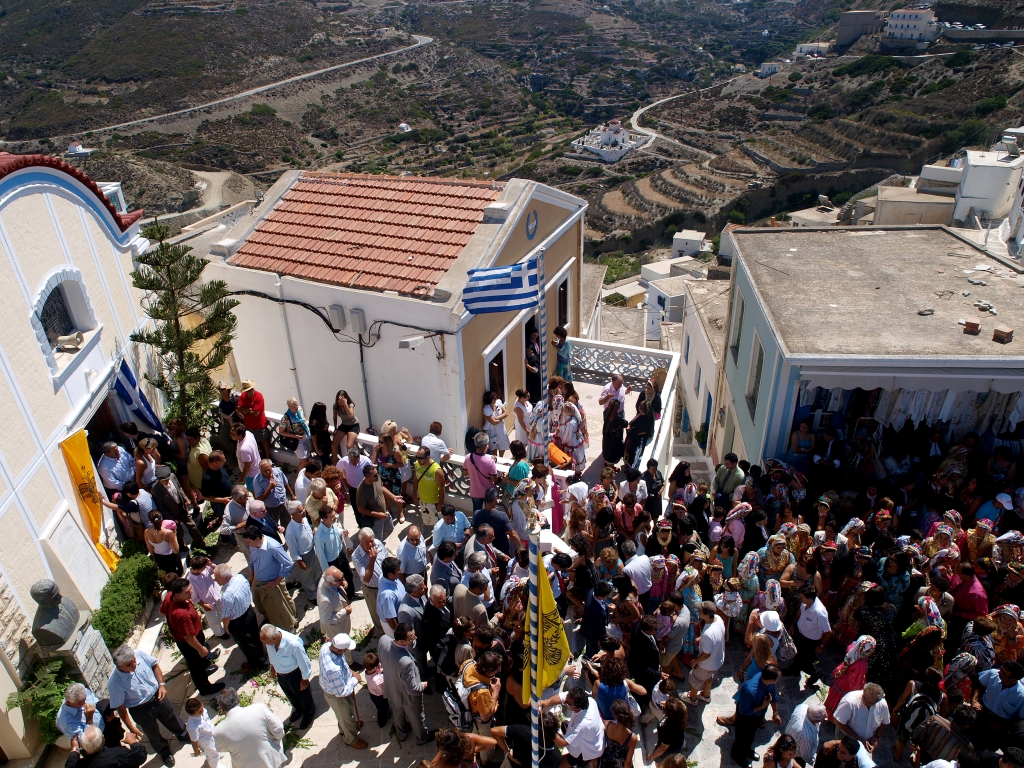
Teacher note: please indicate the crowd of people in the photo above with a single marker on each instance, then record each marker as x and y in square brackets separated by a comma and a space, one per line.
[915, 581]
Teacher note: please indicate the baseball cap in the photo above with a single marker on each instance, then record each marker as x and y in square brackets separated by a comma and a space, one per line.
[343, 642]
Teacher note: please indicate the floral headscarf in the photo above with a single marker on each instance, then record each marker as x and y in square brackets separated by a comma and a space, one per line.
[824, 501]
[960, 667]
[859, 649]
[657, 568]
[673, 561]
[787, 530]
[930, 609]
[740, 510]
[780, 491]
[749, 565]
[828, 545]
[883, 514]
[523, 490]
[945, 530]
[1008, 610]
[698, 557]
[983, 525]
[773, 595]
[855, 527]
[953, 518]
[915, 552]
[1012, 538]
[688, 578]
[774, 563]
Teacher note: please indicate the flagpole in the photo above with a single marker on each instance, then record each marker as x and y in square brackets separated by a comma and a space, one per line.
[535, 568]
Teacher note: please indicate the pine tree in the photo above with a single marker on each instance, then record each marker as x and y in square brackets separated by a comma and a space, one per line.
[192, 326]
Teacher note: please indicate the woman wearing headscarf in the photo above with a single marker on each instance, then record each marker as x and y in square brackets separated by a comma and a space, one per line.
[927, 615]
[958, 674]
[572, 434]
[769, 599]
[788, 532]
[1008, 638]
[735, 525]
[688, 585]
[924, 650]
[1009, 548]
[851, 673]
[641, 428]
[775, 558]
[941, 540]
[978, 541]
[747, 571]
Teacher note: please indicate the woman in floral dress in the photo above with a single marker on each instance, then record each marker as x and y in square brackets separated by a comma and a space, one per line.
[687, 584]
[747, 571]
[851, 673]
[572, 434]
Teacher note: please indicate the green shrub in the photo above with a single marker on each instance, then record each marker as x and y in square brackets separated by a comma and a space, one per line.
[866, 65]
[795, 77]
[131, 547]
[124, 597]
[990, 104]
[41, 699]
[959, 59]
[262, 110]
[971, 131]
[737, 217]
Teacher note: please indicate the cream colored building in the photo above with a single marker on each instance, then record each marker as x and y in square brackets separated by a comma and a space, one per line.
[66, 250]
[355, 282]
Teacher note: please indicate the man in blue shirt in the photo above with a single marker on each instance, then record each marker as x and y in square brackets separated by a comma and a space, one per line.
[289, 663]
[390, 594]
[269, 566]
[115, 468]
[1001, 694]
[453, 526]
[80, 709]
[239, 617]
[755, 695]
[137, 691]
[330, 543]
[594, 624]
[271, 487]
[412, 553]
[499, 520]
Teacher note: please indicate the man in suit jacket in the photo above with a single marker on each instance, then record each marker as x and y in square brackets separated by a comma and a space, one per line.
[644, 660]
[251, 735]
[445, 571]
[259, 517]
[332, 604]
[98, 755]
[173, 504]
[468, 601]
[437, 618]
[410, 611]
[403, 686]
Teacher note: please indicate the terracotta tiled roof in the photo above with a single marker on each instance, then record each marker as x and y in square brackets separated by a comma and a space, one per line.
[10, 163]
[384, 233]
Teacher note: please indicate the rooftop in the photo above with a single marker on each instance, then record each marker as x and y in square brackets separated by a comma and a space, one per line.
[592, 276]
[858, 291]
[385, 233]
[997, 159]
[913, 195]
[711, 304]
[10, 164]
[819, 215]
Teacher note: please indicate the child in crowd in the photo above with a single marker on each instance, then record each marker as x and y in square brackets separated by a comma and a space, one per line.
[660, 585]
[730, 602]
[656, 709]
[375, 687]
[200, 732]
[717, 525]
[665, 620]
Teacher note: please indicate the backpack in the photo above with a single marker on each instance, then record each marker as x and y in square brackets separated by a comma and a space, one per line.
[456, 703]
[444, 655]
[787, 648]
[917, 710]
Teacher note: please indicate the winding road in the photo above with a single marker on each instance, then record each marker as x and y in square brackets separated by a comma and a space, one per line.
[421, 40]
[634, 121]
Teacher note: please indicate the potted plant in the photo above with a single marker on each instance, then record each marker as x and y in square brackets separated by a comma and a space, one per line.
[701, 436]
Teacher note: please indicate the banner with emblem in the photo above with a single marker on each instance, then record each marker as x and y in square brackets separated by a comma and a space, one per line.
[83, 477]
[553, 649]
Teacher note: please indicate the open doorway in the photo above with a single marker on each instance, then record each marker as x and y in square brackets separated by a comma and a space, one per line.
[531, 364]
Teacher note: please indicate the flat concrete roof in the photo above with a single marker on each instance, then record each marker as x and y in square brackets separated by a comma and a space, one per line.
[674, 286]
[711, 302]
[857, 291]
[592, 276]
[998, 159]
[913, 195]
[816, 216]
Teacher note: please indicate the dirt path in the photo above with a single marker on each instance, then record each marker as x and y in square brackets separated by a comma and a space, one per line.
[616, 203]
[421, 40]
[643, 186]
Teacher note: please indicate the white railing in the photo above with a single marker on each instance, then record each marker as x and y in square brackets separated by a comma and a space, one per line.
[599, 360]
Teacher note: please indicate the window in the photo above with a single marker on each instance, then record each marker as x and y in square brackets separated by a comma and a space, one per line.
[686, 350]
[737, 328]
[563, 303]
[696, 381]
[56, 317]
[754, 382]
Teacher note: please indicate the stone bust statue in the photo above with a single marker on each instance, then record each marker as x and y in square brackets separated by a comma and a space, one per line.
[56, 617]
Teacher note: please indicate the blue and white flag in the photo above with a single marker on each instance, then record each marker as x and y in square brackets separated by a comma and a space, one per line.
[501, 289]
[128, 390]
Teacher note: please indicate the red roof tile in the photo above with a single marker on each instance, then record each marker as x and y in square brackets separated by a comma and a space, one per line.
[394, 233]
[10, 163]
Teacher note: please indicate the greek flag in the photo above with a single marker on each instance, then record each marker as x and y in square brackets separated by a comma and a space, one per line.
[501, 289]
[128, 390]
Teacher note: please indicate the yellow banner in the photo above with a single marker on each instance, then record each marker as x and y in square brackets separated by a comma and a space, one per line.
[76, 455]
[553, 653]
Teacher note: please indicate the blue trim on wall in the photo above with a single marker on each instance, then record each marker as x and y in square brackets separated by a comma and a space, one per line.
[782, 441]
[40, 175]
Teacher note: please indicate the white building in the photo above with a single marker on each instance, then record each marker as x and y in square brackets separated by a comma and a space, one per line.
[705, 310]
[65, 261]
[916, 25]
[611, 142]
[383, 260]
[688, 242]
[811, 49]
[988, 184]
[1012, 231]
[768, 69]
[75, 149]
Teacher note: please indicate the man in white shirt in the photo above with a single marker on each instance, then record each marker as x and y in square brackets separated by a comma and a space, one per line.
[584, 736]
[299, 538]
[638, 568]
[307, 473]
[863, 715]
[616, 389]
[813, 632]
[711, 657]
[439, 452]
